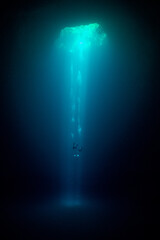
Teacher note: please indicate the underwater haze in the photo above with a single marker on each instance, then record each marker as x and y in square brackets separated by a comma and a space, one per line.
[105, 190]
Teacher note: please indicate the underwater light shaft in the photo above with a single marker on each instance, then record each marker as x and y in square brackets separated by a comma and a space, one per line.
[77, 41]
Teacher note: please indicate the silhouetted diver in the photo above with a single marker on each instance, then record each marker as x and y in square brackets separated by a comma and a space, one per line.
[76, 146]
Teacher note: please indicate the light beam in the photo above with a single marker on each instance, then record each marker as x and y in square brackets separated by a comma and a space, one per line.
[78, 41]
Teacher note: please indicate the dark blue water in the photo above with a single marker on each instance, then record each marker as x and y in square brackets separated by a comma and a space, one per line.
[120, 124]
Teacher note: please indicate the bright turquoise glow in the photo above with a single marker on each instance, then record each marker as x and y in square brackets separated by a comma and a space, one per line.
[84, 36]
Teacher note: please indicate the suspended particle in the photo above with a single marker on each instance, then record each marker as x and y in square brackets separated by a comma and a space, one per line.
[73, 119]
[79, 130]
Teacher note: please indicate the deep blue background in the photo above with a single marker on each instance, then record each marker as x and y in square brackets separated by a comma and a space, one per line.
[122, 112]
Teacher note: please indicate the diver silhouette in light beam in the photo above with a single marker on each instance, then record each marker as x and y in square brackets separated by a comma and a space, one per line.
[77, 150]
[78, 41]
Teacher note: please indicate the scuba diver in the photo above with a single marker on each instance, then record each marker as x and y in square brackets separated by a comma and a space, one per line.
[78, 150]
[77, 147]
